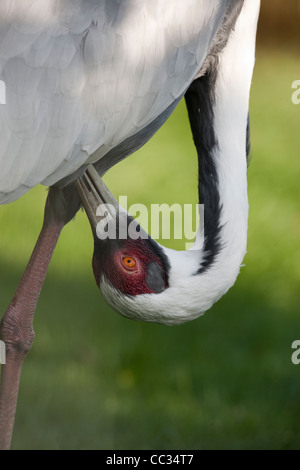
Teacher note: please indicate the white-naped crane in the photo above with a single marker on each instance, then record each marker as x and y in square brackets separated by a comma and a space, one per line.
[87, 83]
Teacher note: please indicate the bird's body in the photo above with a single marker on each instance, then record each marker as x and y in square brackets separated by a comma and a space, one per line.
[83, 76]
[89, 82]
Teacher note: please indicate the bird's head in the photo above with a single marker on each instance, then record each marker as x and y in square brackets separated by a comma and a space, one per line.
[137, 276]
[133, 267]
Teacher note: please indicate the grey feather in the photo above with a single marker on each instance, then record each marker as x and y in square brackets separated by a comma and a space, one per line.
[91, 80]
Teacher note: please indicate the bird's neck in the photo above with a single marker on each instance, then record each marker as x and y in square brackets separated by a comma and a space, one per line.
[218, 109]
[218, 104]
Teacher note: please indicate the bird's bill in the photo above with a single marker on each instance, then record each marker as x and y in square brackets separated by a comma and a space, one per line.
[93, 193]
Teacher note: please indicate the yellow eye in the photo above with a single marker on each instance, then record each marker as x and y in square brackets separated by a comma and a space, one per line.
[129, 262]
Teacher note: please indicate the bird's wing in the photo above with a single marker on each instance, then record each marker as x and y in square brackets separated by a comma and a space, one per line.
[84, 75]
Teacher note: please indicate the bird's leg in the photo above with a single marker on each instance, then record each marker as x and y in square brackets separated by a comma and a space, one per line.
[16, 327]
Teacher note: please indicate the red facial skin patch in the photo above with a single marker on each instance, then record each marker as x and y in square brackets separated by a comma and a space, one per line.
[126, 268]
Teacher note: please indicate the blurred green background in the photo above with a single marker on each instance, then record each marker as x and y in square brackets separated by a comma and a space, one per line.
[95, 380]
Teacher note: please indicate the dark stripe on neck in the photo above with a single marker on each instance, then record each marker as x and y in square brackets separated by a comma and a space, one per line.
[199, 101]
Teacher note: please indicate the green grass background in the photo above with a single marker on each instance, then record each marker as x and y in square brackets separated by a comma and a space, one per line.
[95, 380]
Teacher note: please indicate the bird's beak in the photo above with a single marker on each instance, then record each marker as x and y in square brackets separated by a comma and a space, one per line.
[93, 193]
[99, 203]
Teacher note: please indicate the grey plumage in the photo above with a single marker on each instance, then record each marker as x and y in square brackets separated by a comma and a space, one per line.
[87, 80]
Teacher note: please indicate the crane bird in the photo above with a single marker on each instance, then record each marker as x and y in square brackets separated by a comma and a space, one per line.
[87, 83]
